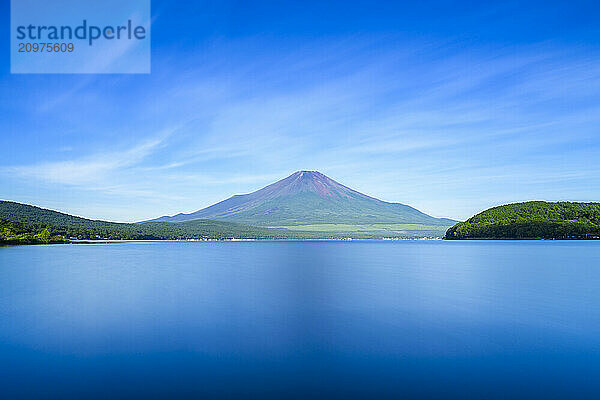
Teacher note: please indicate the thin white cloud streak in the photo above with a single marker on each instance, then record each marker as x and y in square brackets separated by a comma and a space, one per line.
[88, 171]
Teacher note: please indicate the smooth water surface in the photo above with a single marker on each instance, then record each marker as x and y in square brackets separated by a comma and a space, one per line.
[417, 319]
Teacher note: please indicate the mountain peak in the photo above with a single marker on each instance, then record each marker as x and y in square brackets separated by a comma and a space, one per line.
[308, 175]
[307, 181]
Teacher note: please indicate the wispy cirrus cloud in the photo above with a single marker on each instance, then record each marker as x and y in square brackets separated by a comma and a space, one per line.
[89, 170]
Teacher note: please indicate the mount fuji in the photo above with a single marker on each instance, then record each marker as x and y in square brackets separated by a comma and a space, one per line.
[309, 199]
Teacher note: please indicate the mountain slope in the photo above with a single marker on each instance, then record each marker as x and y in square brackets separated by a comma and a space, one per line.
[35, 219]
[532, 220]
[308, 198]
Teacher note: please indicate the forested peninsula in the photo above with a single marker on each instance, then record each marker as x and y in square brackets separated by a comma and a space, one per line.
[532, 220]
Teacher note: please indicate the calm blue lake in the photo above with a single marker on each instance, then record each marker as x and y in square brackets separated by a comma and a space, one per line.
[419, 319]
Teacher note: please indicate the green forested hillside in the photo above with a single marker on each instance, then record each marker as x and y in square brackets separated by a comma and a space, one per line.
[12, 232]
[530, 220]
[30, 219]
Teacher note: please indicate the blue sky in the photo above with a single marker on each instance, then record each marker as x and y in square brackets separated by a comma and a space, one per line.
[451, 108]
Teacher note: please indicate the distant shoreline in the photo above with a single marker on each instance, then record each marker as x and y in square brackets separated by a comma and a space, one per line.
[92, 242]
[7, 244]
